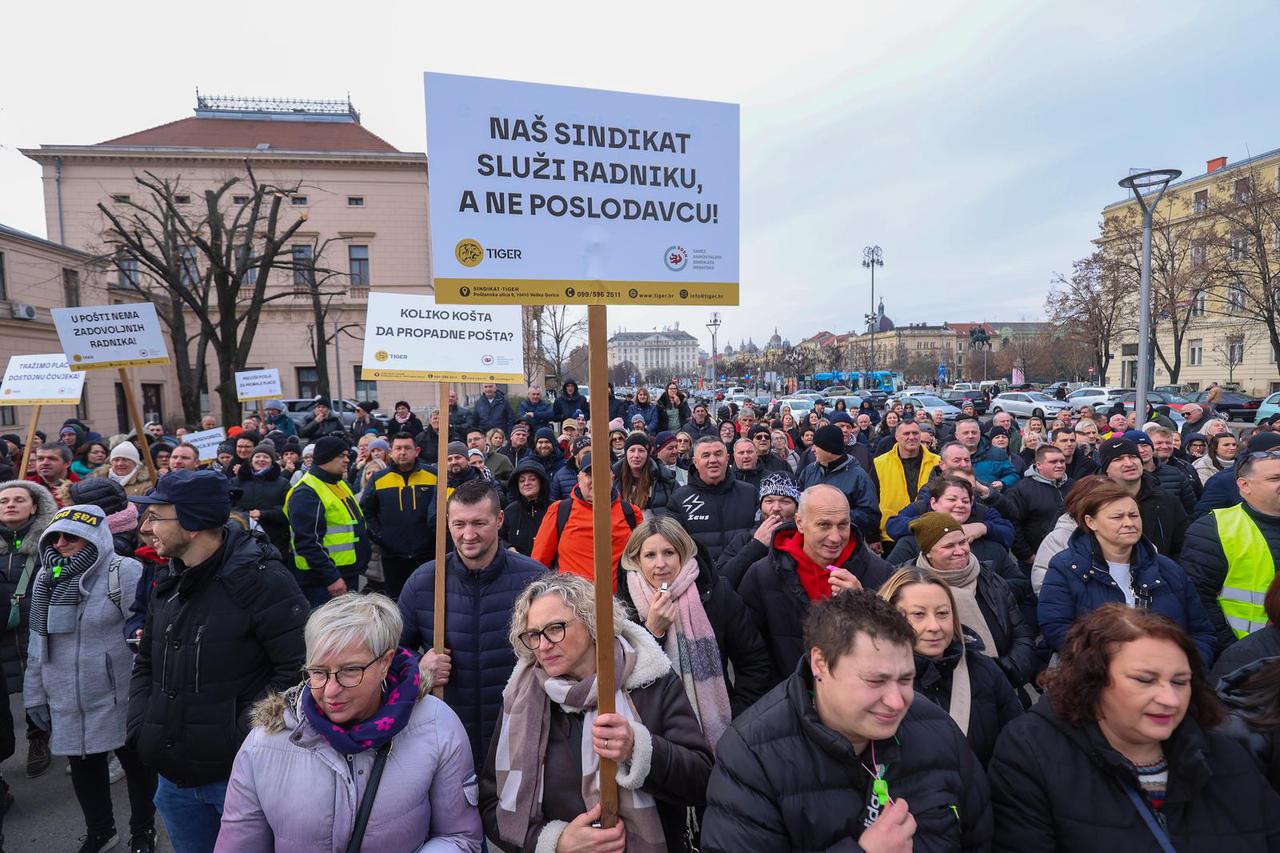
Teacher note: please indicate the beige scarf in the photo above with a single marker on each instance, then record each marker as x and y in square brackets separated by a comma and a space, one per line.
[964, 585]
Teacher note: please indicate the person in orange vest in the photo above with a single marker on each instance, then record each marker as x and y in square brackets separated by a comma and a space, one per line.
[564, 540]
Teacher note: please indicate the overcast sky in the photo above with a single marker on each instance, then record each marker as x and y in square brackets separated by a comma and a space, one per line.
[975, 142]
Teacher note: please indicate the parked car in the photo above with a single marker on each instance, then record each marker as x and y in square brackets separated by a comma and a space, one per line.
[1100, 397]
[929, 402]
[851, 402]
[877, 396]
[958, 398]
[835, 390]
[299, 409]
[1236, 406]
[1157, 398]
[1180, 390]
[1269, 407]
[1027, 404]
[800, 406]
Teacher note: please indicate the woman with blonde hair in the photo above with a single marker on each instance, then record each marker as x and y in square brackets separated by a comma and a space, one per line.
[699, 620]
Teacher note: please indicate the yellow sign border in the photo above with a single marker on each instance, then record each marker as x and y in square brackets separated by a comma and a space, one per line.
[440, 376]
[525, 291]
[60, 401]
[112, 365]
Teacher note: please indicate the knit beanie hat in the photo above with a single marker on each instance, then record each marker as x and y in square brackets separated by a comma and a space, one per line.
[309, 450]
[328, 449]
[664, 438]
[545, 432]
[840, 418]
[579, 443]
[637, 439]
[379, 444]
[457, 448]
[265, 447]
[227, 447]
[1137, 436]
[125, 450]
[931, 527]
[1114, 448]
[1260, 442]
[778, 483]
[829, 438]
[616, 425]
[997, 430]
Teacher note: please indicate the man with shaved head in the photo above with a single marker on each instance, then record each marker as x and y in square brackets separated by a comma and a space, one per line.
[816, 556]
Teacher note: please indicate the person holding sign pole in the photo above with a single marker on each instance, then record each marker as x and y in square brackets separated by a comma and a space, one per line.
[330, 542]
[540, 785]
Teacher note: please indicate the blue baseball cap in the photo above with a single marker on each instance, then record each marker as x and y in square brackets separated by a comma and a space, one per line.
[201, 498]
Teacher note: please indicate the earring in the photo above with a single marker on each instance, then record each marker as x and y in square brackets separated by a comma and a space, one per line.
[817, 677]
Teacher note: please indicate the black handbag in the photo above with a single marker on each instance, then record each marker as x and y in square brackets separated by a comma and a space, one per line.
[366, 801]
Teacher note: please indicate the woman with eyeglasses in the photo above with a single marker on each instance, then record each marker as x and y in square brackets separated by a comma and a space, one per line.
[540, 785]
[361, 736]
[76, 686]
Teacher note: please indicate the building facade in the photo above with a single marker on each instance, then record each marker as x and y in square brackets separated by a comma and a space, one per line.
[659, 354]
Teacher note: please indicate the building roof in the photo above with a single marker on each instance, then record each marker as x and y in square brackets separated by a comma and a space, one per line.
[668, 334]
[232, 133]
[1248, 161]
[14, 233]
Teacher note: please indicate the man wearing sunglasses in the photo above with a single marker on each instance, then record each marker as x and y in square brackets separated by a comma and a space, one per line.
[1231, 554]
[223, 629]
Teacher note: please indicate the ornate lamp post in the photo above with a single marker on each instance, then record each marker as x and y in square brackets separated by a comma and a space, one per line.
[872, 257]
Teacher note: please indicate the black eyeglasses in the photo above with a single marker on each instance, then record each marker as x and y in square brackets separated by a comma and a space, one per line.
[553, 632]
[348, 676]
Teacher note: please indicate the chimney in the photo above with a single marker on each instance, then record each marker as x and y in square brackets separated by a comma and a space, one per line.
[1215, 164]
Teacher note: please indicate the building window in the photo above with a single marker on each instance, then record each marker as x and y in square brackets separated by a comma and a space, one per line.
[1235, 351]
[70, 288]
[82, 408]
[190, 266]
[1244, 189]
[4, 284]
[1201, 201]
[1239, 248]
[366, 389]
[120, 198]
[8, 418]
[1236, 298]
[127, 270]
[308, 381]
[1128, 349]
[1198, 253]
[152, 402]
[1198, 304]
[1195, 352]
[355, 201]
[248, 259]
[358, 257]
[298, 200]
[240, 199]
[304, 273]
[182, 199]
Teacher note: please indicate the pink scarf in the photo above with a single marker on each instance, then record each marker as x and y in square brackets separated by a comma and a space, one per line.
[691, 645]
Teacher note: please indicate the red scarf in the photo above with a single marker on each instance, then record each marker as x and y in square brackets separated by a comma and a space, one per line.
[814, 578]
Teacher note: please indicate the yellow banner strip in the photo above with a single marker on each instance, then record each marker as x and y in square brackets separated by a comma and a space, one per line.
[513, 291]
[112, 365]
[439, 376]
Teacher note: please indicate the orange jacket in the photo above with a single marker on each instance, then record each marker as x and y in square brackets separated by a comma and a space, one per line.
[573, 548]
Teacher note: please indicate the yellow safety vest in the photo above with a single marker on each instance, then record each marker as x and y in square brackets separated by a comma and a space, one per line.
[340, 522]
[893, 481]
[1250, 570]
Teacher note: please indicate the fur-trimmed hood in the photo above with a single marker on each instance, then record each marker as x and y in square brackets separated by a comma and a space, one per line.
[46, 506]
[651, 661]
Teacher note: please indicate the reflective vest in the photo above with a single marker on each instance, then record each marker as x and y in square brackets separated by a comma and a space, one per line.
[340, 524]
[892, 477]
[1250, 570]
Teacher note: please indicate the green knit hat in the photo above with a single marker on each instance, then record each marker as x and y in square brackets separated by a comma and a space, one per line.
[931, 527]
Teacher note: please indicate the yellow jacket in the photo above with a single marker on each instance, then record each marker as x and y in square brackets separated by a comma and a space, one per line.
[892, 478]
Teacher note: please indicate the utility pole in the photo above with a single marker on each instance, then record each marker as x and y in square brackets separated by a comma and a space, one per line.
[872, 257]
[713, 325]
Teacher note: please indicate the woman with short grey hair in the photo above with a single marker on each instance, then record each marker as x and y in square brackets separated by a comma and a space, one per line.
[310, 776]
[540, 787]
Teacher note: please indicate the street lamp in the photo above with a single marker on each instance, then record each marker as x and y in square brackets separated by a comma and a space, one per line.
[872, 257]
[713, 325]
[1155, 181]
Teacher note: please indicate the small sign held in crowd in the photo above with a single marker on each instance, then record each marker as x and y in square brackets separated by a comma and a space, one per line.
[258, 384]
[206, 441]
[41, 380]
[99, 337]
[411, 337]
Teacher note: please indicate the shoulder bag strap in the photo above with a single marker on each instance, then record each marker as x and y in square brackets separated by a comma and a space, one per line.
[366, 802]
[20, 591]
[1144, 811]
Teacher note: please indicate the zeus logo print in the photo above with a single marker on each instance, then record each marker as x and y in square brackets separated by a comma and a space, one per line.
[694, 504]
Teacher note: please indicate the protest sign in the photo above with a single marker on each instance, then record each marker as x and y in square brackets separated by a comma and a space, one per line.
[555, 194]
[206, 441]
[107, 336]
[41, 380]
[408, 336]
[258, 384]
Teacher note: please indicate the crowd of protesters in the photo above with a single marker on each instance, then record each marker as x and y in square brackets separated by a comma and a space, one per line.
[855, 630]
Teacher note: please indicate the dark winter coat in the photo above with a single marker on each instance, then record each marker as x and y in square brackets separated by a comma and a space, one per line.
[1262, 643]
[13, 641]
[428, 441]
[712, 514]
[738, 554]
[1259, 741]
[696, 431]
[682, 410]
[307, 526]
[567, 404]
[1079, 582]
[772, 592]
[992, 463]
[1206, 564]
[218, 637]
[662, 485]
[521, 518]
[312, 429]
[992, 702]
[786, 783]
[1033, 505]
[854, 482]
[412, 425]
[563, 481]
[648, 411]
[1081, 464]
[488, 414]
[1055, 787]
[1220, 492]
[1164, 521]
[538, 414]
[736, 635]
[400, 510]
[999, 530]
[477, 614]
[1174, 481]
[266, 494]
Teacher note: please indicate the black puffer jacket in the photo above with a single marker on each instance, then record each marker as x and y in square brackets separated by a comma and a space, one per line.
[772, 592]
[738, 554]
[1206, 564]
[521, 517]
[218, 637]
[713, 514]
[786, 783]
[662, 483]
[992, 702]
[1058, 788]
[736, 635]
[266, 494]
[1260, 741]
[1164, 521]
[1262, 643]
[1033, 504]
[1175, 481]
[13, 642]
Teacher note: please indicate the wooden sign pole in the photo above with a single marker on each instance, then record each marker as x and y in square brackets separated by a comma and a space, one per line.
[31, 436]
[135, 413]
[442, 497]
[602, 533]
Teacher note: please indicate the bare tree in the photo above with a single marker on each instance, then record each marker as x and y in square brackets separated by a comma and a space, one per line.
[1229, 350]
[215, 260]
[321, 285]
[1088, 308]
[562, 328]
[1246, 208]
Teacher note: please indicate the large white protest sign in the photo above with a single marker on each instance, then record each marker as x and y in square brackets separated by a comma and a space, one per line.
[411, 337]
[104, 336]
[41, 380]
[553, 194]
[206, 441]
[258, 384]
